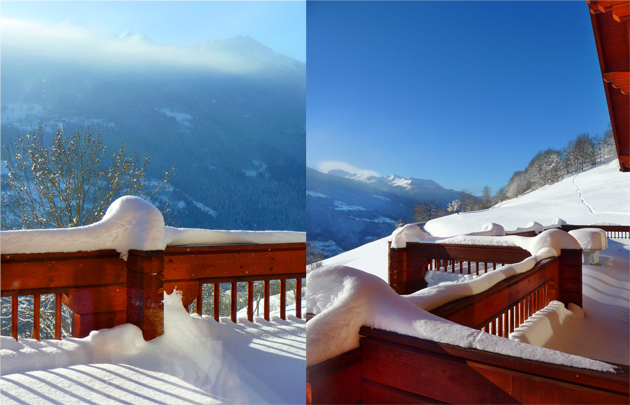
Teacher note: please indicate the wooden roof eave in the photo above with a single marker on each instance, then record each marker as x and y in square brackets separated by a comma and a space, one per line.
[614, 63]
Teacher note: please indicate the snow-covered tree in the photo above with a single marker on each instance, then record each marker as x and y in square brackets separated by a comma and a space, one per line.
[70, 183]
[486, 198]
[518, 185]
[454, 206]
[424, 210]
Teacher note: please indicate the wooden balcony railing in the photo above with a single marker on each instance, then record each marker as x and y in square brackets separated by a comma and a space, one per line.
[102, 290]
[505, 306]
[392, 368]
[612, 231]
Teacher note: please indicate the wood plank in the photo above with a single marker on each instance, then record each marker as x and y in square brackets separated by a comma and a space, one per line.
[617, 383]
[433, 376]
[96, 299]
[374, 393]
[298, 299]
[621, 12]
[490, 254]
[621, 82]
[36, 316]
[82, 325]
[38, 275]
[335, 381]
[230, 261]
[613, 76]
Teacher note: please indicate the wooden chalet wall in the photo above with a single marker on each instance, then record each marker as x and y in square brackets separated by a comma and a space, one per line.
[611, 28]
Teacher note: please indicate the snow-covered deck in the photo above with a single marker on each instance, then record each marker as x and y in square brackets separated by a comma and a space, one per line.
[197, 361]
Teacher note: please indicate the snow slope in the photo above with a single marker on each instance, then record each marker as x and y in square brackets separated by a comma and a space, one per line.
[597, 196]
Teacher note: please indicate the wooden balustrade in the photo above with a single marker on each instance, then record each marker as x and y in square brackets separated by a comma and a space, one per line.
[612, 231]
[408, 266]
[506, 305]
[103, 291]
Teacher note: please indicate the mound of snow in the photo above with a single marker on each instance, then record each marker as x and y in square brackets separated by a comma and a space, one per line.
[346, 299]
[132, 223]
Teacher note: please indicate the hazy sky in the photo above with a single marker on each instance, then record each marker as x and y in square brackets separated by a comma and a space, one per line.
[463, 93]
[279, 25]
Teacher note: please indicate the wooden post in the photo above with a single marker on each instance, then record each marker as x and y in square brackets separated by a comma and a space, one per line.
[95, 308]
[145, 291]
[397, 269]
[570, 285]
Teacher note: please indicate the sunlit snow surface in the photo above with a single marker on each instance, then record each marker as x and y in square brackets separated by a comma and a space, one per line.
[597, 196]
[195, 361]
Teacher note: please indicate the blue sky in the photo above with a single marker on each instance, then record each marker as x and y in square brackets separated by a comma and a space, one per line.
[278, 25]
[463, 93]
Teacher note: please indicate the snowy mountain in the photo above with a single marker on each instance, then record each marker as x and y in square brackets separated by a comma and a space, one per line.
[139, 39]
[246, 47]
[345, 210]
[229, 115]
[410, 183]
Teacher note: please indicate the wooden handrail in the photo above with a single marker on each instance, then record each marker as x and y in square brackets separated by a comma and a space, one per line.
[488, 307]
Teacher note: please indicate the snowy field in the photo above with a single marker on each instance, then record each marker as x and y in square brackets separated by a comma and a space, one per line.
[345, 287]
[196, 361]
[597, 196]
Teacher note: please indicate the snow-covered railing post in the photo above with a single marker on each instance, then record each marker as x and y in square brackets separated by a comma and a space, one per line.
[397, 269]
[145, 291]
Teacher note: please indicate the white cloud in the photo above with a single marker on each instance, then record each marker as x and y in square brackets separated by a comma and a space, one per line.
[327, 166]
[76, 43]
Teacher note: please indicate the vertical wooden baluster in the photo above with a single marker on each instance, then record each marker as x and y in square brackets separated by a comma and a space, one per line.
[477, 268]
[36, 310]
[298, 298]
[58, 316]
[200, 300]
[14, 317]
[266, 300]
[250, 301]
[500, 326]
[521, 312]
[234, 295]
[216, 301]
[494, 266]
[506, 324]
[283, 298]
[512, 319]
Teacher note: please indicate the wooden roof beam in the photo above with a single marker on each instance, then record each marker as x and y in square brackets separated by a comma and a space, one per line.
[614, 76]
[619, 8]
[621, 12]
[621, 83]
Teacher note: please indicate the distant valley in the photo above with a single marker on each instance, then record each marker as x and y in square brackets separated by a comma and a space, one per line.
[346, 210]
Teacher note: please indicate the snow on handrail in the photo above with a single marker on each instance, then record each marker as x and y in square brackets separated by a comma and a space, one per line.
[132, 223]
